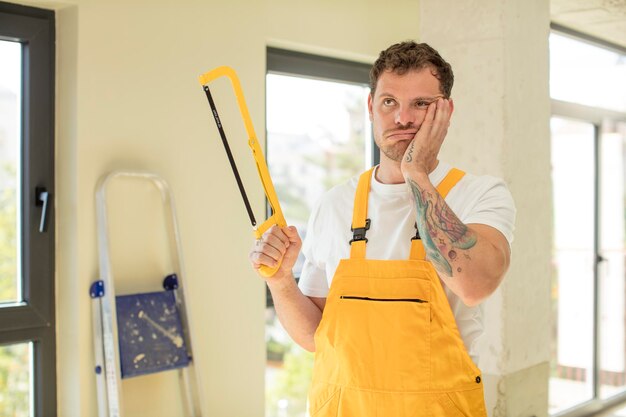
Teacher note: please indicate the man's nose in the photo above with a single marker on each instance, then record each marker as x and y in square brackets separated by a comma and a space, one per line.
[406, 116]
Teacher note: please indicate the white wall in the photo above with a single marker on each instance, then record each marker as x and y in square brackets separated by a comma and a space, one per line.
[128, 98]
[499, 49]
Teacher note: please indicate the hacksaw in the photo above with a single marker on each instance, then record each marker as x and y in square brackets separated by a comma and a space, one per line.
[277, 217]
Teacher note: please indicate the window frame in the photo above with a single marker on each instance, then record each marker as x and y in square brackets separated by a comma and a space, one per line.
[33, 320]
[305, 65]
[595, 116]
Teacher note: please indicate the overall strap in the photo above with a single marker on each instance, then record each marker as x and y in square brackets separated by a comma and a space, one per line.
[360, 222]
[449, 181]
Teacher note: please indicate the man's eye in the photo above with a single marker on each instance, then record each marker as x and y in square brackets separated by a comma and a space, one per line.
[422, 104]
[389, 102]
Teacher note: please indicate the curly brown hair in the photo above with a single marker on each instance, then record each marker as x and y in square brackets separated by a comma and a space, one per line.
[409, 55]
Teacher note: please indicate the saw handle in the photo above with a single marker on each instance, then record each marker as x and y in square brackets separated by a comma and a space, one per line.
[265, 270]
[277, 217]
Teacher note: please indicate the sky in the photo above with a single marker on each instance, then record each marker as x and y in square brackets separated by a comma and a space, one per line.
[10, 64]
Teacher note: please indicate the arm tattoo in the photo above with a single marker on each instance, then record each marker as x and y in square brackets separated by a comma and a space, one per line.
[450, 225]
[436, 222]
[409, 155]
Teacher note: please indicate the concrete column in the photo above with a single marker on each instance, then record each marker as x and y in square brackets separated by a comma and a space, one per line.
[499, 53]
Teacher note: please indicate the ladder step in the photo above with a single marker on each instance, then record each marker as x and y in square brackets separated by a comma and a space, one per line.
[150, 333]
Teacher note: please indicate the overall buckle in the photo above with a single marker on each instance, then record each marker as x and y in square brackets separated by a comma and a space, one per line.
[417, 233]
[358, 233]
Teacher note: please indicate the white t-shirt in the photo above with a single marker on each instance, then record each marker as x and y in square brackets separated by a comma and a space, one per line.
[391, 209]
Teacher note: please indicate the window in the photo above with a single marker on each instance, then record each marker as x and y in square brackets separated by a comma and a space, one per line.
[598, 74]
[588, 89]
[318, 135]
[27, 326]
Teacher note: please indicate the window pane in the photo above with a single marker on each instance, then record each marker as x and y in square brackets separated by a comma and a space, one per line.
[10, 91]
[16, 380]
[612, 249]
[586, 74]
[573, 166]
[318, 135]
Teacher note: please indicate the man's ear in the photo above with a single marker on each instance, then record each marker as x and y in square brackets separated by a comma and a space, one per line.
[451, 106]
[369, 105]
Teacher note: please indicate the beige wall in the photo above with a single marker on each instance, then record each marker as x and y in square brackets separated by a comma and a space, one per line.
[128, 98]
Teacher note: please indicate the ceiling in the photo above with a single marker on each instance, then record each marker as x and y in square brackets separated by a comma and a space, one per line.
[603, 19]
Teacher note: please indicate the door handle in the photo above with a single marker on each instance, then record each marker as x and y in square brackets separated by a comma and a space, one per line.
[41, 200]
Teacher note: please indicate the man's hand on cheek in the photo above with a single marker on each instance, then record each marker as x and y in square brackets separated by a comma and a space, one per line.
[420, 156]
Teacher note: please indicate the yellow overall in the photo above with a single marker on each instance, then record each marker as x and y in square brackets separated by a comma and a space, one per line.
[388, 344]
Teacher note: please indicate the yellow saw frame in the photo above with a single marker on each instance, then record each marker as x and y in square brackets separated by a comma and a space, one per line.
[277, 217]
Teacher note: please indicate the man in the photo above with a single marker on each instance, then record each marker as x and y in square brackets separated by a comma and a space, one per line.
[397, 260]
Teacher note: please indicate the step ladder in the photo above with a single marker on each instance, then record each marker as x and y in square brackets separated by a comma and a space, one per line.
[141, 333]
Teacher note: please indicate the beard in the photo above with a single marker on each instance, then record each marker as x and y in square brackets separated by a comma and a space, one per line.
[394, 151]
[391, 148]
